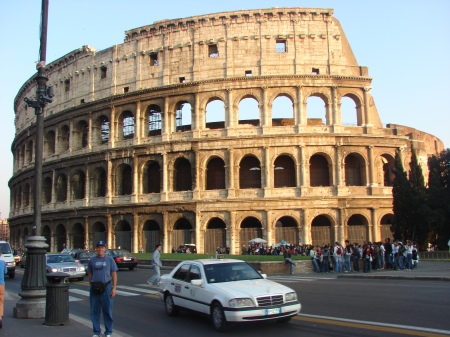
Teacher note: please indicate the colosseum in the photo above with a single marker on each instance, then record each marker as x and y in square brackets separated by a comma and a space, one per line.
[200, 130]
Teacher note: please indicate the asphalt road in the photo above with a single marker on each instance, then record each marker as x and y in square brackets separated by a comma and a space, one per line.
[331, 307]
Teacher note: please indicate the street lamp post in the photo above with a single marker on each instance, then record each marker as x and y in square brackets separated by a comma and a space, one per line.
[33, 293]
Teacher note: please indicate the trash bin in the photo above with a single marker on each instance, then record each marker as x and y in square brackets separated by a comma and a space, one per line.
[57, 299]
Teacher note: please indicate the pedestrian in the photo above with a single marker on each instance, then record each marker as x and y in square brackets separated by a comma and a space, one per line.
[347, 253]
[356, 255]
[103, 280]
[3, 272]
[156, 264]
[337, 256]
[287, 257]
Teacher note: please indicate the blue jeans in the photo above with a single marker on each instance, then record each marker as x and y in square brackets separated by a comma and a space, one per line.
[155, 278]
[102, 303]
[367, 265]
[338, 263]
[291, 264]
[409, 261]
[347, 262]
[315, 264]
[355, 260]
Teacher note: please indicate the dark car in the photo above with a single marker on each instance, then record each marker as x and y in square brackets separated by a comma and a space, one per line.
[83, 256]
[123, 258]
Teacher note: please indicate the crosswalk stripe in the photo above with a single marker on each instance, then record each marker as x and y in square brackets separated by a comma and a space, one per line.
[126, 293]
[74, 299]
[79, 292]
[147, 291]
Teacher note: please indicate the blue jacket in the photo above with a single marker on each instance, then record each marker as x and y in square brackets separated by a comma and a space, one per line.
[3, 271]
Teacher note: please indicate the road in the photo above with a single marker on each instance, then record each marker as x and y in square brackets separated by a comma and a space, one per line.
[331, 307]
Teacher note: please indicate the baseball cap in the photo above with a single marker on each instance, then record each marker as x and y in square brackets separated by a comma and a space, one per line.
[100, 243]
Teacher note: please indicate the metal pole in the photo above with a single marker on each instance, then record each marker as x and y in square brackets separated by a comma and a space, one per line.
[32, 304]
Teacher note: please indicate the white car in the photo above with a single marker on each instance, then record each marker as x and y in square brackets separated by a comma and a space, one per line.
[227, 290]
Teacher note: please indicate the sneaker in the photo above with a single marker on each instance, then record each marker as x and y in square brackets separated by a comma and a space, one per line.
[97, 335]
[107, 335]
[150, 283]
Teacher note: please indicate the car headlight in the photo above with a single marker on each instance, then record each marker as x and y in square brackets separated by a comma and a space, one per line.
[9, 264]
[54, 270]
[291, 297]
[80, 268]
[241, 302]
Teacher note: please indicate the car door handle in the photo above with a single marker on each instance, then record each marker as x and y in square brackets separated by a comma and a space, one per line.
[186, 287]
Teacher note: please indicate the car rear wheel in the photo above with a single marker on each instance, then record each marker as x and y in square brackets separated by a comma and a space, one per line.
[12, 275]
[171, 308]
[218, 318]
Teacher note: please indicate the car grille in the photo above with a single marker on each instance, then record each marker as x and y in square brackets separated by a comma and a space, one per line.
[68, 270]
[267, 301]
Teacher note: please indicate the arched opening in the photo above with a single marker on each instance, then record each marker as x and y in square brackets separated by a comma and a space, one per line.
[47, 234]
[284, 172]
[321, 233]
[61, 188]
[387, 162]
[182, 233]
[215, 235]
[151, 178]
[282, 111]
[248, 111]
[64, 139]
[349, 112]
[249, 173]
[78, 185]
[286, 229]
[386, 224]
[319, 171]
[182, 175]
[183, 116]
[124, 180]
[49, 143]
[101, 130]
[30, 148]
[357, 229]
[355, 174]
[123, 235]
[215, 174]
[47, 190]
[154, 116]
[251, 228]
[81, 135]
[152, 235]
[126, 125]
[26, 195]
[60, 237]
[316, 110]
[98, 182]
[98, 232]
[215, 114]
[78, 236]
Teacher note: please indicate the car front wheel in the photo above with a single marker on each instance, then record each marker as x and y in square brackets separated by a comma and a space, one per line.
[218, 318]
[171, 308]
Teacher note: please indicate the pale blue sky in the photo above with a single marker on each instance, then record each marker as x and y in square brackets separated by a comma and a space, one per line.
[405, 44]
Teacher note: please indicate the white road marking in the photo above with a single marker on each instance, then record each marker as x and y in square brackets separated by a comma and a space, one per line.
[147, 291]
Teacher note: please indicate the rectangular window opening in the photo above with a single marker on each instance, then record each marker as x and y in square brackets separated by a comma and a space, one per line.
[126, 89]
[82, 101]
[315, 71]
[248, 73]
[154, 59]
[281, 46]
[103, 71]
[67, 85]
[182, 79]
[213, 50]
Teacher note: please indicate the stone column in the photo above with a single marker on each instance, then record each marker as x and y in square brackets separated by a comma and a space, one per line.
[374, 227]
[366, 116]
[138, 123]
[136, 229]
[338, 168]
[265, 109]
[199, 233]
[110, 238]
[111, 176]
[340, 225]
[112, 127]
[301, 168]
[166, 121]
[87, 242]
[230, 173]
[165, 177]
[136, 185]
[300, 115]
[197, 118]
[336, 111]
[371, 167]
[267, 170]
[235, 244]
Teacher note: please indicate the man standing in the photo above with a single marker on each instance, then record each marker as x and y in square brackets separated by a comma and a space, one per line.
[288, 259]
[337, 256]
[156, 264]
[103, 280]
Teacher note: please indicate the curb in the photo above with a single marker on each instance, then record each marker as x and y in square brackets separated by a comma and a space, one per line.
[393, 277]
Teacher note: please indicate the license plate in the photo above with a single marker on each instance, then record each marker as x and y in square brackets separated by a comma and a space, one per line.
[273, 311]
[127, 259]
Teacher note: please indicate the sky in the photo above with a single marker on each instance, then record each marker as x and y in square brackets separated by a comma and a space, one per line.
[405, 44]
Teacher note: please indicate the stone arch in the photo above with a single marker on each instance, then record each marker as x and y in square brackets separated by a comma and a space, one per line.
[386, 222]
[249, 172]
[357, 228]
[49, 143]
[78, 236]
[215, 113]
[322, 230]
[320, 170]
[47, 190]
[154, 118]
[250, 228]
[99, 183]
[30, 151]
[98, 232]
[182, 180]
[284, 172]
[151, 177]
[78, 185]
[183, 116]
[126, 125]
[27, 195]
[355, 170]
[101, 130]
[152, 235]
[124, 179]
[60, 237]
[286, 228]
[183, 232]
[313, 104]
[215, 173]
[123, 235]
[385, 169]
[282, 110]
[63, 139]
[248, 110]
[61, 188]
[81, 135]
[351, 109]
[47, 233]
[215, 235]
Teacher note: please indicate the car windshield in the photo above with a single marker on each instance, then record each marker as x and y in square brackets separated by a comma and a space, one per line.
[86, 254]
[5, 248]
[120, 252]
[230, 272]
[59, 258]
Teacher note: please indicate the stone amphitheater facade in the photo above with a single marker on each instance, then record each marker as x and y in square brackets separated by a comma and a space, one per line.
[134, 153]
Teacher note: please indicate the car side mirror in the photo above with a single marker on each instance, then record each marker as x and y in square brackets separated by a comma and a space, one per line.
[264, 276]
[196, 282]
